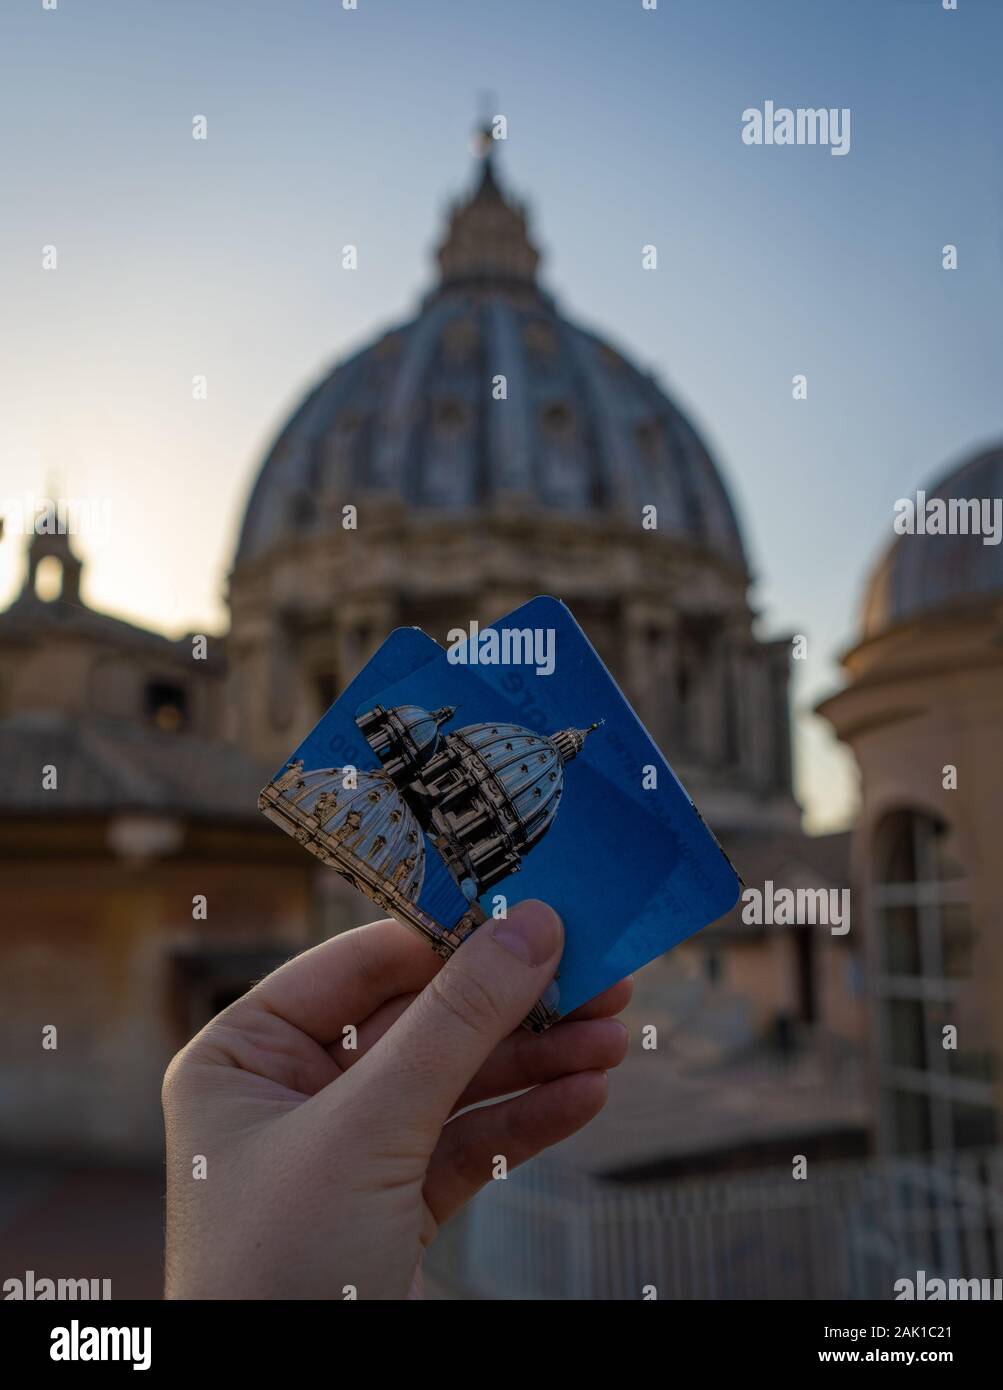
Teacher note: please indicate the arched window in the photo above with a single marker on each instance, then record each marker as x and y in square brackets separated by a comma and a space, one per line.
[166, 705]
[49, 578]
[933, 1096]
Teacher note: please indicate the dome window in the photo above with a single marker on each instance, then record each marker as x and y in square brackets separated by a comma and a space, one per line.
[450, 416]
[459, 339]
[540, 338]
[167, 705]
[649, 439]
[302, 511]
[49, 579]
[557, 418]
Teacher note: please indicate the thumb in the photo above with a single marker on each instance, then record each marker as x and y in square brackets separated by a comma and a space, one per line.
[423, 1064]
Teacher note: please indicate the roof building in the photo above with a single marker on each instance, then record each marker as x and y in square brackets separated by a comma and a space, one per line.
[922, 710]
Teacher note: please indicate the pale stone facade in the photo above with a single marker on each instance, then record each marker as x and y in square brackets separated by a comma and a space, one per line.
[923, 713]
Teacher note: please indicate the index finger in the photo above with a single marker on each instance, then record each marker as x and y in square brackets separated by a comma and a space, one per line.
[343, 980]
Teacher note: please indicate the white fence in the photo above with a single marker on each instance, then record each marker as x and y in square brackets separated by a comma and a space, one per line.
[848, 1230]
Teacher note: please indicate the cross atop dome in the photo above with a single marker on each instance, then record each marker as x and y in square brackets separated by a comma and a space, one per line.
[482, 142]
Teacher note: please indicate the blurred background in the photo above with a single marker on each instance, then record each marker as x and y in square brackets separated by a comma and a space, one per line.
[206, 209]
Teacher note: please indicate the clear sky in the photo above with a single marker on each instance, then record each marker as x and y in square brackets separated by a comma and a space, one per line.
[328, 126]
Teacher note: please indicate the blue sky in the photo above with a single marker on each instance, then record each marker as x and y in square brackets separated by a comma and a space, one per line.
[329, 126]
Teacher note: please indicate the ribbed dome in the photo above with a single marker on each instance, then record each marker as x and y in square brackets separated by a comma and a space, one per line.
[921, 574]
[404, 737]
[369, 820]
[414, 415]
[525, 767]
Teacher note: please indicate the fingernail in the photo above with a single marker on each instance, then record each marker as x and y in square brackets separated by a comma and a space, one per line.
[531, 931]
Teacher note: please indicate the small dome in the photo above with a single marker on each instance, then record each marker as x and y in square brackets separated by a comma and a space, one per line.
[932, 573]
[581, 432]
[405, 736]
[370, 820]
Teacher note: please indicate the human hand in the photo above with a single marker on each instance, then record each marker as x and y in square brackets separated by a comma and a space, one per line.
[328, 1169]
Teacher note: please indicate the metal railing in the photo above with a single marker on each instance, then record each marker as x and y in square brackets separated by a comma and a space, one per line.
[847, 1230]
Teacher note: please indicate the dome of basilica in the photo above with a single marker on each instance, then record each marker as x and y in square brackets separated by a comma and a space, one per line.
[404, 737]
[924, 574]
[368, 822]
[486, 794]
[525, 768]
[493, 450]
[581, 431]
